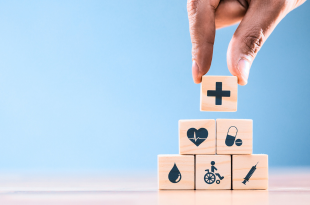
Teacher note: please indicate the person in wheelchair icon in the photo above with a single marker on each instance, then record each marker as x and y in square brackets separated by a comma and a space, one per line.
[210, 177]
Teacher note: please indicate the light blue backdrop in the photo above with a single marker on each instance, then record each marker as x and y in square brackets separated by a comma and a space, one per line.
[101, 85]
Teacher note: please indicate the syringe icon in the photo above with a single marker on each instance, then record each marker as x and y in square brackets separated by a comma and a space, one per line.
[248, 176]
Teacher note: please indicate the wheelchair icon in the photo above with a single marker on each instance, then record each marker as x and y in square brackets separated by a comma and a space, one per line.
[211, 177]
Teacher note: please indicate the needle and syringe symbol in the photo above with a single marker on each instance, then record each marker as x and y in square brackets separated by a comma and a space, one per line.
[248, 176]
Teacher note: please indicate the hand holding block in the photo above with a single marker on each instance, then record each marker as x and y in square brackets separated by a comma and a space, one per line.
[176, 171]
[234, 136]
[250, 171]
[219, 93]
[213, 171]
[197, 136]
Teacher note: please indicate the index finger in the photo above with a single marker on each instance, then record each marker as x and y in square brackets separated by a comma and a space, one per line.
[201, 15]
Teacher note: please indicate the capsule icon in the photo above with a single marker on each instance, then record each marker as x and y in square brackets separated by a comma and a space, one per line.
[231, 136]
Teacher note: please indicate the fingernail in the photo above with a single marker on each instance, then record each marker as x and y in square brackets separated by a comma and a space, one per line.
[196, 73]
[244, 69]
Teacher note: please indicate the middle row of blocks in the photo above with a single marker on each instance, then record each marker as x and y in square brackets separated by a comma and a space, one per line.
[223, 136]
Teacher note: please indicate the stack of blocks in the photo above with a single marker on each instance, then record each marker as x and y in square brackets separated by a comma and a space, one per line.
[215, 154]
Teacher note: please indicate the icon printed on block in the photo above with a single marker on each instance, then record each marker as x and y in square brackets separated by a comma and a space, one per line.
[234, 136]
[248, 176]
[210, 177]
[174, 175]
[197, 136]
[176, 171]
[213, 172]
[231, 136]
[238, 142]
[218, 93]
[250, 171]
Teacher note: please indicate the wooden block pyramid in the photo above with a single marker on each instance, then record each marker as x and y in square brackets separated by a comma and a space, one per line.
[215, 154]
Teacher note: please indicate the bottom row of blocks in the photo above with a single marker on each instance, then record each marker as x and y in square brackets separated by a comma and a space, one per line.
[213, 171]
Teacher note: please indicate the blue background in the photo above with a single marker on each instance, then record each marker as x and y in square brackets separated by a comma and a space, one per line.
[101, 85]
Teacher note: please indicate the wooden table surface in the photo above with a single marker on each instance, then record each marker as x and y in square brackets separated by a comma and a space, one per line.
[286, 186]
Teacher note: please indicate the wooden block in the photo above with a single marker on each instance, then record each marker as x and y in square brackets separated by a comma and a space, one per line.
[250, 171]
[219, 93]
[234, 136]
[209, 178]
[176, 171]
[197, 136]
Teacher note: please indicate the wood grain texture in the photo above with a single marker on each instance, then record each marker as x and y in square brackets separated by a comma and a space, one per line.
[229, 104]
[186, 146]
[241, 166]
[244, 133]
[185, 164]
[223, 165]
[287, 186]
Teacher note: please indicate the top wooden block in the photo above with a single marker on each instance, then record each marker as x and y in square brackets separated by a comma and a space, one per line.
[219, 93]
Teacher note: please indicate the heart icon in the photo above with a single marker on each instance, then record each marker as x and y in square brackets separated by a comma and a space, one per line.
[197, 136]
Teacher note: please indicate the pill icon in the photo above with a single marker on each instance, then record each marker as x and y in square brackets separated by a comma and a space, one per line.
[238, 142]
[231, 136]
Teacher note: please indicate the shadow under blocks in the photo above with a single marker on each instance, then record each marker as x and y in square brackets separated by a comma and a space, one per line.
[215, 154]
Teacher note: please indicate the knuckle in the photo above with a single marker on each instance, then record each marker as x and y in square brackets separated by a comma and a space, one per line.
[283, 3]
[192, 6]
[272, 4]
[278, 3]
[253, 41]
[281, 6]
[298, 3]
[292, 4]
[274, 7]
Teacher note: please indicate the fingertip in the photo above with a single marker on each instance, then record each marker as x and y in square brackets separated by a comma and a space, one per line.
[242, 81]
[196, 73]
[197, 80]
[243, 71]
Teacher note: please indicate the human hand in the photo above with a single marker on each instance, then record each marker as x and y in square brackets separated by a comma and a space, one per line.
[258, 20]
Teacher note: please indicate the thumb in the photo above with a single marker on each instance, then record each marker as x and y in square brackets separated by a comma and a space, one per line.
[256, 26]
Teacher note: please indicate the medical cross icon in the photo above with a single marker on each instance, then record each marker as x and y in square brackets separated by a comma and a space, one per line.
[218, 93]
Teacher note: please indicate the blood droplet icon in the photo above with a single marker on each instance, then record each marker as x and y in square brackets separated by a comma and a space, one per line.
[174, 175]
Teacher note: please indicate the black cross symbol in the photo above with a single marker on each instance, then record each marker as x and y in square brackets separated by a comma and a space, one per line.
[218, 93]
